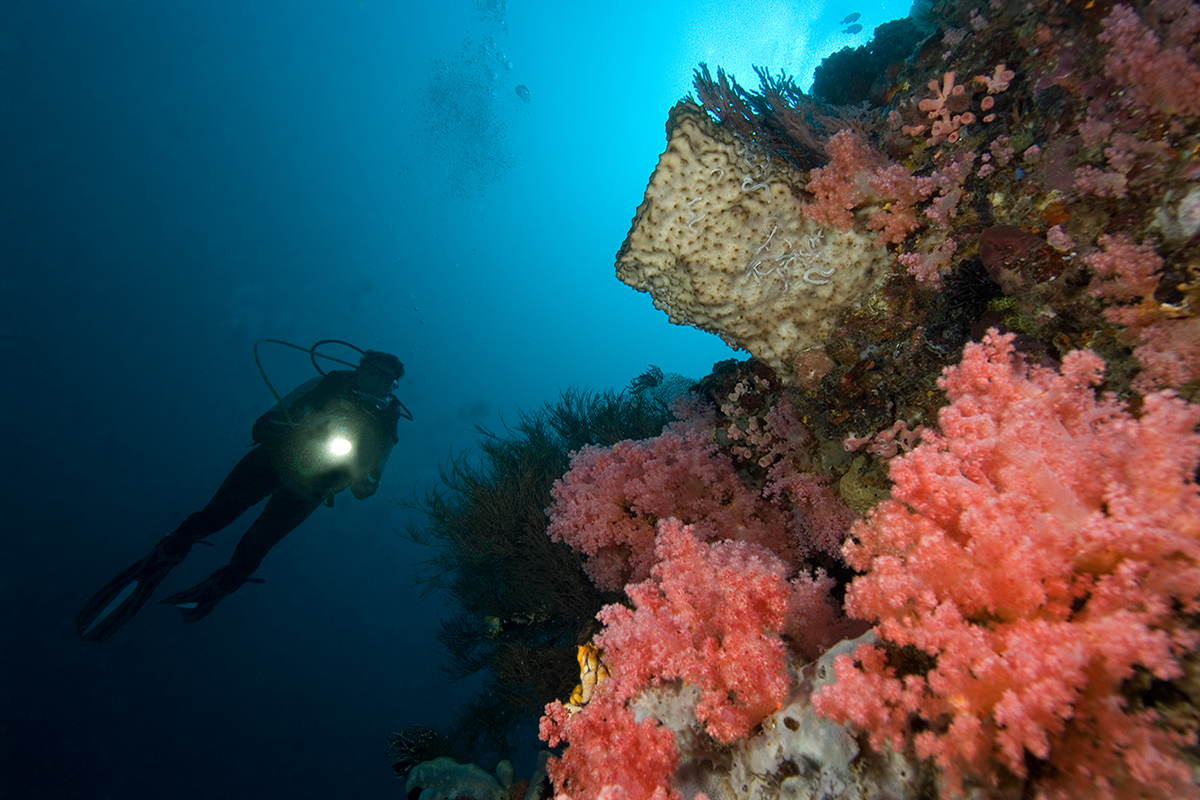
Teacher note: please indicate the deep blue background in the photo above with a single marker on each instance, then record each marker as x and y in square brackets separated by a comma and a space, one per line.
[178, 179]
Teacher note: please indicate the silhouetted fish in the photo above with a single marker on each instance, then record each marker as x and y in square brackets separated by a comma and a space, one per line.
[522, 92]
[853, 29]
[850, 18]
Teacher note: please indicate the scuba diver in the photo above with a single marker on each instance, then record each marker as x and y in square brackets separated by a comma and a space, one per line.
[332, 433]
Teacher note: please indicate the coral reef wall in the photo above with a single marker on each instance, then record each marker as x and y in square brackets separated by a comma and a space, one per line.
[984, 282]
[940, 535]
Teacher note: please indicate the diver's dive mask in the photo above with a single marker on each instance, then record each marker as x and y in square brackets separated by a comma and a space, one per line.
[377, 379]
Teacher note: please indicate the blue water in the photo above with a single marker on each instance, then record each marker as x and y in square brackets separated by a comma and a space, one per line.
[179, 179]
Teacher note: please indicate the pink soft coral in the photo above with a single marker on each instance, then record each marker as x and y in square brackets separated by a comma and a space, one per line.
[858, 173]
[1163, 79]
[844, 183]
[609, 750]
[710, 616]
[606, 506]
[1042, 551]
[1127, 275]
[609, 502]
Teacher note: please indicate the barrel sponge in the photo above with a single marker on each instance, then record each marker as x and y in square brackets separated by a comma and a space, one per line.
[721, 243]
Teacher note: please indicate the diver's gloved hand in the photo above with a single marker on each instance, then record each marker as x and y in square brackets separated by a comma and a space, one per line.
[364, 488]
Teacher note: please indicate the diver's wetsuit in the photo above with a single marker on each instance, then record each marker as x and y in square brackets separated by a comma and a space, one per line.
[288, 466]
[252, 479]
[268, 469]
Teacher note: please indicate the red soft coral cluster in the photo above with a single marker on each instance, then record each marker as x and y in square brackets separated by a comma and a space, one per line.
[1040, 553]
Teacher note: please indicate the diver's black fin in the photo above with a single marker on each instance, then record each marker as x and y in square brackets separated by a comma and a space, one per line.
[120, 599]
[197, 602]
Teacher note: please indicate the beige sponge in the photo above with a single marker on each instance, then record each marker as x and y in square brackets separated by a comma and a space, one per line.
[722, 244]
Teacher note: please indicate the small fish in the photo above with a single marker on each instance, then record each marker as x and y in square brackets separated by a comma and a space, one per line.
[850, 18]
[522, 92]
[853, 29]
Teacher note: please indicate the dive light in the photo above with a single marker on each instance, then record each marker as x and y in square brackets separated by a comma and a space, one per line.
[332, 447]
[339, 446]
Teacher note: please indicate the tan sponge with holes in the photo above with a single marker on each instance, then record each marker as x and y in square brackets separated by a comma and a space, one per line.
[722, 244]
